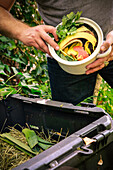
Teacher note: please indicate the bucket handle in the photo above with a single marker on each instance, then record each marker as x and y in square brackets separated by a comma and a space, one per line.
[107, 52]
[84, 150]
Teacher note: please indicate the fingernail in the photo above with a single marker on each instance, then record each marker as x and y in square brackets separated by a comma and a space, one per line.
[103, 48]
[57, 48]
[87, 68]
[57, 39]
[87, 73]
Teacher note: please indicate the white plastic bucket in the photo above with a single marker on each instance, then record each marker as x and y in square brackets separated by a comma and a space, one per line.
[79, 67]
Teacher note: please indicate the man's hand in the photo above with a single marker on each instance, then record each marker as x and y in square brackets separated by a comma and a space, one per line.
[99, 63]
[31, 36]
[38, 36]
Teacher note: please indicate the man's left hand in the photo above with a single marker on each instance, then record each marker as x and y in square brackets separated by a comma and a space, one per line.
[101, 62]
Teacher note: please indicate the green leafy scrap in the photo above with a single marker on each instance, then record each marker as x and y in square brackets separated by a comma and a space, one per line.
[35, 141]
[30, 137]
[18, 144]
[43, 143]
[69, 25]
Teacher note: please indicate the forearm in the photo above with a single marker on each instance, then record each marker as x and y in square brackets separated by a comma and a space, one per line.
[30, 36]
[9, 26]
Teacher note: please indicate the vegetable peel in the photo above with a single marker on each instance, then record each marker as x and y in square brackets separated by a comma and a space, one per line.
[71, 38]
[76, 41]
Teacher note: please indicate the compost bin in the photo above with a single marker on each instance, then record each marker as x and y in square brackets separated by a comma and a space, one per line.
[85, 122]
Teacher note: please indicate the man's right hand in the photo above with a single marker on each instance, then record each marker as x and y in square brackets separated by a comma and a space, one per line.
[31, 36]
[38, 36]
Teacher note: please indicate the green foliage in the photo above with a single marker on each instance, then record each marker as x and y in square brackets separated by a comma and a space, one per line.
[35, 141]
[105, 98]
[69, 25]
[8, 138]
[27, 12]
[23, 69]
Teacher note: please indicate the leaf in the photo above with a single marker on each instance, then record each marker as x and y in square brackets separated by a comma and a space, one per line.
[31, 137]
[4, 92]
[34, 127]
[38, 70]
[77, 16]
[12, 45]
[43, 143]
[44, 146]
[68, 22]
[1, 80]
[71, 15]
[35, 91]
[29, 86]
[34, 140]
[27, 75]
[2, 72]
[8, 68]
[4, 39]
[14, 70]
[19, 148]
[8, 138]
[18, 60]
[2, 67]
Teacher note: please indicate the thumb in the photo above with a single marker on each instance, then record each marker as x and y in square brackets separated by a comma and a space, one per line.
[108, 42]
[109, 37]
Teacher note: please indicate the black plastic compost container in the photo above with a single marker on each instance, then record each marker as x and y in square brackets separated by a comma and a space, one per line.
[72, 152]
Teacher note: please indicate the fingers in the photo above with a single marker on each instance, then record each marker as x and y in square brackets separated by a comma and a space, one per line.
[100, 63]
[49, 40]
[38, 37]
[95, 66]
[110, 57]
[94, 69]
[109, 37]
[43, 37]
[41, 44]
[106, 44]
[52, 30]
[109, 41]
